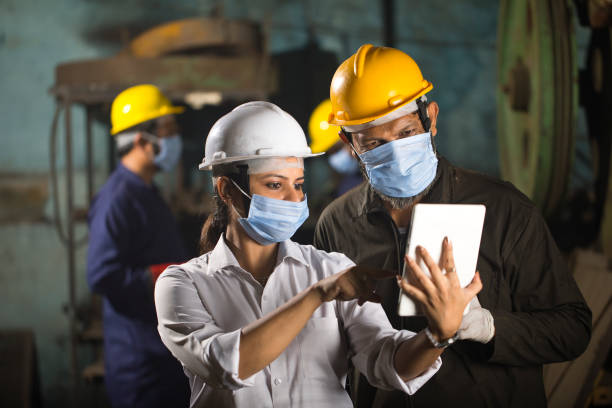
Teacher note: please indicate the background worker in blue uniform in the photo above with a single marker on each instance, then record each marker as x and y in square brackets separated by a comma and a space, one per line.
[133, 237]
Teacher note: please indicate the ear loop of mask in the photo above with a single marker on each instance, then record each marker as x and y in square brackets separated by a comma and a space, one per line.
[243, 179]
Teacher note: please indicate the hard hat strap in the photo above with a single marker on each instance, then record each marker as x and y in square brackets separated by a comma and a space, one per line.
[345, 136]
[423, 115]
[349, 140]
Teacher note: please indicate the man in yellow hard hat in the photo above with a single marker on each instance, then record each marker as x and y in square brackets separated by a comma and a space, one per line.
[133, 237]
[530, 311]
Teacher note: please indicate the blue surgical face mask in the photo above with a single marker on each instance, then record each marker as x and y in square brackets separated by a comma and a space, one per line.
[403, 167]
[343, 162]
[271, 220]
[170, 149]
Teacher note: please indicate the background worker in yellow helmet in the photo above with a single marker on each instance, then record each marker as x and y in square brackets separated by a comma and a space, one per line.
[133, 237]
[324, 138]
[530, 311]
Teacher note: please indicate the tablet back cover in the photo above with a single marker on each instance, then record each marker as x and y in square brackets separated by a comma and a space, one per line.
[461, 223]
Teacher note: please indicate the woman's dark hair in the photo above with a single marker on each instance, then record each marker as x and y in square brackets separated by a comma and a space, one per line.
[217, 222]
[214, 226]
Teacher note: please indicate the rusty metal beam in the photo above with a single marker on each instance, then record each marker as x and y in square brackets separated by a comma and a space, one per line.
[99, 80]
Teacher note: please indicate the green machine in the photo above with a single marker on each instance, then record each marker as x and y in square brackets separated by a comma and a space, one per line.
[539, 92]
[537, 100]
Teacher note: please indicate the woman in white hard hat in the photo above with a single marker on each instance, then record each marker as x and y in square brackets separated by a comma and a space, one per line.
[259, 320]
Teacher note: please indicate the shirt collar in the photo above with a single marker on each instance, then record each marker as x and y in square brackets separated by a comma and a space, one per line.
[133, 177]
[129, 174]
[222, 256]
[441, 192]
[290, 249]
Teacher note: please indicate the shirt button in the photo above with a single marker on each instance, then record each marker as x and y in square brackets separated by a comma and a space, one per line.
[278, 381]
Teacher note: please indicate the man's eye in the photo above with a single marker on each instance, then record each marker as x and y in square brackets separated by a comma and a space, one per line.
[407, 132]
[274, 186]
[369, 145]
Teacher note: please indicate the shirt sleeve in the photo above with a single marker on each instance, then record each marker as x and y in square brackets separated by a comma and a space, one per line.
[373, 343]
[550, 320]
[190, 333]
[109, 272]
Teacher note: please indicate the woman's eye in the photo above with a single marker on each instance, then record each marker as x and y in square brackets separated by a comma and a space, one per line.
[274, 186]
[299, 186]
[407, 132]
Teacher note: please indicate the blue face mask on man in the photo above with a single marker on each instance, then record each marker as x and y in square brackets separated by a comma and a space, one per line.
[271, 220]
[403, 167]
[170, 149]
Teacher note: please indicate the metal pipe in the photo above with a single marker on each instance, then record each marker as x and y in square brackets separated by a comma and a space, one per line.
[89, 155]
[71, 248]
[388, 22]
[57, 222]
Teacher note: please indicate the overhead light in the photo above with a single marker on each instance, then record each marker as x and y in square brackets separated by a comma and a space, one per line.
[198, 99]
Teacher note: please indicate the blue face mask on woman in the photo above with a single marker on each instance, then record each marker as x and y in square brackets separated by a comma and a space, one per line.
[170, 149]
[403, 167]
[271, 220]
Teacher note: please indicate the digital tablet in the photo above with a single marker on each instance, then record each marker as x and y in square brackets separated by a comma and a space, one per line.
[461, 223]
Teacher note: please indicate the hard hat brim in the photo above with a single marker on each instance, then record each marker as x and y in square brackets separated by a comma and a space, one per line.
[360, 121]
[172, 110]
[208, 165]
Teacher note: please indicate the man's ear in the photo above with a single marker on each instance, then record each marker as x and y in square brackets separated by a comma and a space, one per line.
[138, 139]
[432, 110]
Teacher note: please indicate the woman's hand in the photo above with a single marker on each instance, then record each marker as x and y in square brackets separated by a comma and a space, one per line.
[441, 297]
[357, 282]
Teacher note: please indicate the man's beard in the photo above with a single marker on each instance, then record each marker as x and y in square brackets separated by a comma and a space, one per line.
[397, 203]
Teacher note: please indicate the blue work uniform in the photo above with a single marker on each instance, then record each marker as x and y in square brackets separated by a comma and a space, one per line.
[131, 228]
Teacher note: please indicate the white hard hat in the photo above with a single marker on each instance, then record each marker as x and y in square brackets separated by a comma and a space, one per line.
[254, 130]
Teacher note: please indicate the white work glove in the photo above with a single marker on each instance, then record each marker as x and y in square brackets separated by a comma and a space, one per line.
[477, 324]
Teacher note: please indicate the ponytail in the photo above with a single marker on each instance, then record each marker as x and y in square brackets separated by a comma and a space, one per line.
[215, 225]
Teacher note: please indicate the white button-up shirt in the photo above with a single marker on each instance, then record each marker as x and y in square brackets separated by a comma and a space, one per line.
[203, 304]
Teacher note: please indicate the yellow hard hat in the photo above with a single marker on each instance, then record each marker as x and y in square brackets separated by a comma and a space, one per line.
[138, 104]
[372, 83]
[322, 134]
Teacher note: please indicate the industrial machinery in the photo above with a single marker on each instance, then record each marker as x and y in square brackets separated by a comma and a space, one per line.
[539, 93]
